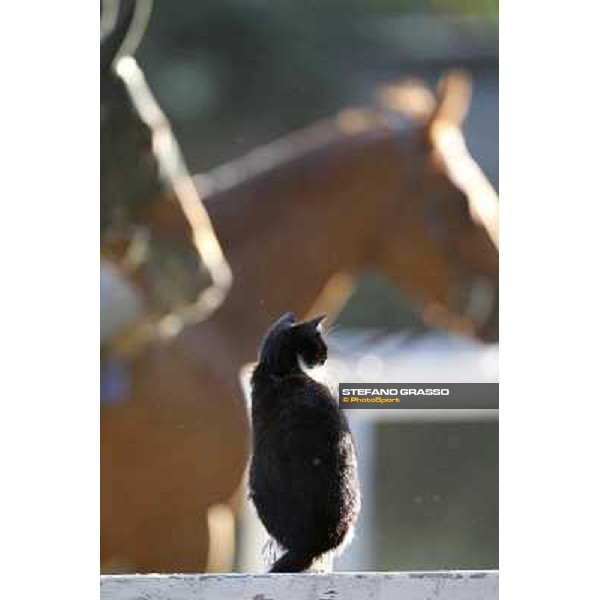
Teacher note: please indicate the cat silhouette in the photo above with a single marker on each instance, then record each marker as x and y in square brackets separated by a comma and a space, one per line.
[303, 471]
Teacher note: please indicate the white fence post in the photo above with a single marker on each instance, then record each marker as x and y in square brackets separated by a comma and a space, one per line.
[442, 585]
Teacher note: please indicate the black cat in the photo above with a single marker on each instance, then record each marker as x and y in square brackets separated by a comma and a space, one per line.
[303, 475]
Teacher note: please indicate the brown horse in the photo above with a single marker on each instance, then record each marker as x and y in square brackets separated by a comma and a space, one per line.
[392, 189]
[386, 190]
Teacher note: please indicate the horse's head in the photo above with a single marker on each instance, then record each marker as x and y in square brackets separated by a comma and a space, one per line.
[449, 260]
[156, 237]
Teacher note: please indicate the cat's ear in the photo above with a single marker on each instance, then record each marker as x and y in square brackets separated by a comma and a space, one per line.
[288, 318]
[316, 321]
[285, 321]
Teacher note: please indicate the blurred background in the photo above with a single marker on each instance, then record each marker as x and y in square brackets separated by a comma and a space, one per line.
[234, 74]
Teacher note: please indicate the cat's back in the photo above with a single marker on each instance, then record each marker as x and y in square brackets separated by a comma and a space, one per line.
[296, 397]
[295, 421]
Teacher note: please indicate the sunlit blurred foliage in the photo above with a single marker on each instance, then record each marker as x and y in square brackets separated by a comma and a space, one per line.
[483, 8]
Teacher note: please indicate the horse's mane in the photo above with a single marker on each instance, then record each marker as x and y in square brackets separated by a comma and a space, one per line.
[278, 156]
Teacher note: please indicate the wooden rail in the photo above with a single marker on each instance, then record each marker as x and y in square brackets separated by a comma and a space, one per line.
[441, 585]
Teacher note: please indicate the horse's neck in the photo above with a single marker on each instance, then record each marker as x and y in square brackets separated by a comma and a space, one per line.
[289, 230]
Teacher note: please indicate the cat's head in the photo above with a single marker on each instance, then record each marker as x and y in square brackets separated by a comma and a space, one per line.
[309, 341]
[289, 339]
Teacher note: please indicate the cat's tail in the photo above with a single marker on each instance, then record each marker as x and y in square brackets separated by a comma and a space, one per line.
[292, 562]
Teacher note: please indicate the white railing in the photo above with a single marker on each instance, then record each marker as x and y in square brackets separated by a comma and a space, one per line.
[441, 585]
